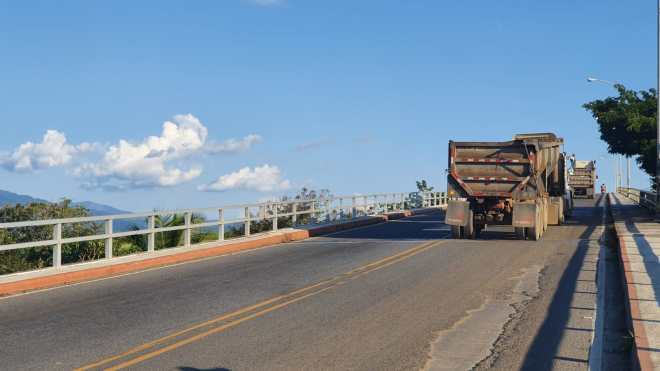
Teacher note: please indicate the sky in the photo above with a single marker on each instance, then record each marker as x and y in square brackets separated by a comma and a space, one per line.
[173, 104]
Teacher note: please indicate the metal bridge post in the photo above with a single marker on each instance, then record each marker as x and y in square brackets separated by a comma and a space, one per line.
[186, 232]
[247, 222]
[57, 249]
[151, 237]
[353, 208]
[221, 226]
[108, 240]
[312, 213]
[275, 207]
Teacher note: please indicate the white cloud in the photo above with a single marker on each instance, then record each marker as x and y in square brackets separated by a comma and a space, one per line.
[234, 145]
[147, 163]
[53, 150]
[155, 161]
[264, 178]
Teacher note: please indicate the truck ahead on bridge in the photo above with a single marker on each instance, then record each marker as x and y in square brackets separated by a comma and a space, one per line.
[521, 183]
[582, 179]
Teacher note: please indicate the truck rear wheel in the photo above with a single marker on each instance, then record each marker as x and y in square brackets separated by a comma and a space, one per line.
[456, 232]
[470, 230]
[534, 233]
[520, 233]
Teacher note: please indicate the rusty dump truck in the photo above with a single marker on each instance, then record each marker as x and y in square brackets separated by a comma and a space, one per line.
[582, 179]
[521, 183]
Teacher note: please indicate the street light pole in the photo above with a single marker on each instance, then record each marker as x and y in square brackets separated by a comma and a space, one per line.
[628, 173]
[657, 124]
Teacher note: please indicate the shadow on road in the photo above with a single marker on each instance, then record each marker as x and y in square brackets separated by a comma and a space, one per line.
[544, 349]
[635, 214]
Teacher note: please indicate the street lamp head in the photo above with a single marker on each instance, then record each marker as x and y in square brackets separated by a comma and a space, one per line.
[592, 79]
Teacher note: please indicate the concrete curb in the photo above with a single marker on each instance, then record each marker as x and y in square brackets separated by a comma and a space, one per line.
[642, 360]
[59, 278]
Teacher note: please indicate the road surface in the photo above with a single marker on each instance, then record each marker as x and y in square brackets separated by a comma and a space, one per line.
[394, 296]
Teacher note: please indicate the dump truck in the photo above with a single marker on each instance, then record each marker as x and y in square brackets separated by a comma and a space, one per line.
[582, 179]
[520, 183]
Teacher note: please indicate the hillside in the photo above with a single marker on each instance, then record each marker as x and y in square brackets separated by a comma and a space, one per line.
[11, 198]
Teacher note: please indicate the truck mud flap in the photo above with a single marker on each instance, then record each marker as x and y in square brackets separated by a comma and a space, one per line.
[458, 213]
[524, 214]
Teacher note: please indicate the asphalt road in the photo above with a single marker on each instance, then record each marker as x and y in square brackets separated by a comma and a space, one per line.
[374, 298]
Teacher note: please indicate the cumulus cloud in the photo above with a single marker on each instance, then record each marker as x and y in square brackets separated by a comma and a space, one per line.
[155, 161]
[53, 150]
[148, 163]
[234, 145]
[265, 178]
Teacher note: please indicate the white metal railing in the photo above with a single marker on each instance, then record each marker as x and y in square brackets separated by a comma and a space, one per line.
[645, 199]
[301, 212]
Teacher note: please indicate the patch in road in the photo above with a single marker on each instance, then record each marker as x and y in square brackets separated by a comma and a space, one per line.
[471, 339]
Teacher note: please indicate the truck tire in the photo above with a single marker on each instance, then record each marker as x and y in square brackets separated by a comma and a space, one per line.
[456, 232]
[470, 230]
[534, 233]
[520, 233]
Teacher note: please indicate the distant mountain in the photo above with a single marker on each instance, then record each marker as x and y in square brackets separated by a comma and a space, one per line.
[10, 198]
[99, 209]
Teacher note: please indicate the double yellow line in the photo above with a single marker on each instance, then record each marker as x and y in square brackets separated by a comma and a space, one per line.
[219, 324]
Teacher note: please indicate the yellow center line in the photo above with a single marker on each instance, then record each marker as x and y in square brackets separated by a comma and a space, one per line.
[357, 272]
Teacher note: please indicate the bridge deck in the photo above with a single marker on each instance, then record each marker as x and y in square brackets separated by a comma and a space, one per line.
[388, 296]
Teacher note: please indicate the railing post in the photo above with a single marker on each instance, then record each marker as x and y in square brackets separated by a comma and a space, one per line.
[186, 232]
[353, 209]
[108, 240]
[312, 215]
[57, 249]
[275, 207]
[221, 226]
[247, 222]
[294, 217]
[387, 206]
[366, 205]
[151, 237]
[327, 211]
[341, 208]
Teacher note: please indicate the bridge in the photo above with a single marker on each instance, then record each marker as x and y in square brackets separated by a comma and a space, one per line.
[369, 282]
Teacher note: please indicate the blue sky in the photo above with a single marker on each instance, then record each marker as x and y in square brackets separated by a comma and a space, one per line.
[353, 96]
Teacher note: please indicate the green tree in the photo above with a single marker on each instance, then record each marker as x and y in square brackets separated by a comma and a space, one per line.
[628, 124]
[423, 187]
[39, 257]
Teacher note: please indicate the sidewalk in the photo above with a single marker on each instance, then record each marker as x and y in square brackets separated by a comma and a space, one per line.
[639, 242]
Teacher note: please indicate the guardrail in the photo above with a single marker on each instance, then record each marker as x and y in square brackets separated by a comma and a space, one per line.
[301, 213]
[645, 199]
